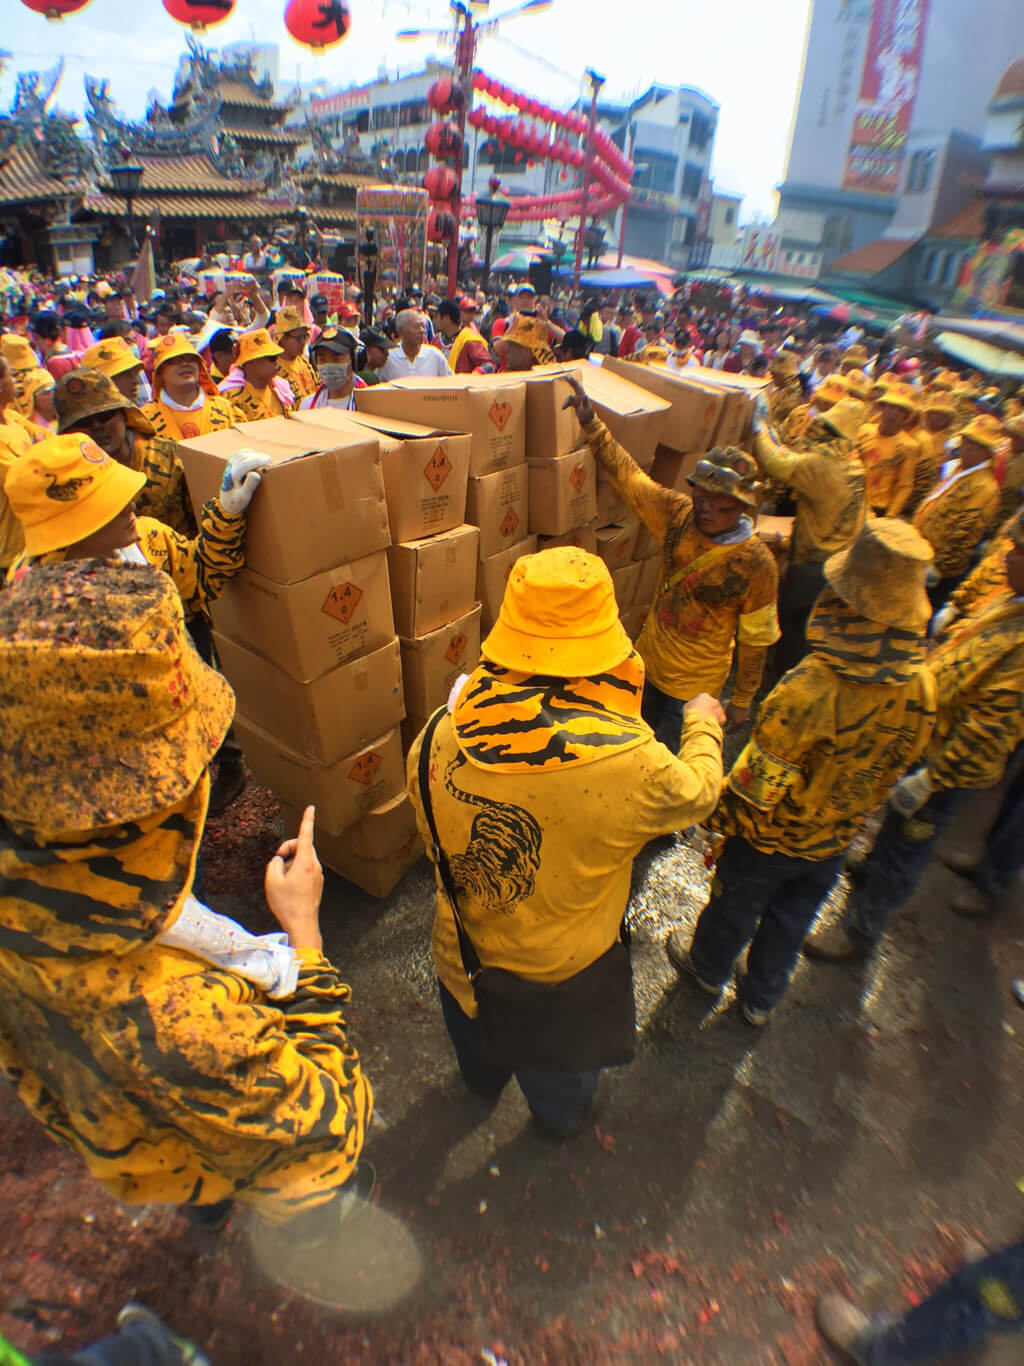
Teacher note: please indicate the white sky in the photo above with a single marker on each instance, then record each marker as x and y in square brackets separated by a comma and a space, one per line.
[743, 53]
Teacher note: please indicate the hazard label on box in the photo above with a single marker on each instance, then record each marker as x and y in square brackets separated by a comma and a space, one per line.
[365, 767]
[437, 468]
[456, 648]
[342, 601]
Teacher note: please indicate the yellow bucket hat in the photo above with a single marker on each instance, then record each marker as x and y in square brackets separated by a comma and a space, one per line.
[859, 384]
[17, 352]
[784, 364]
[64, 488]
[846, 417]
[110, 357]
[832, 389]
[882, 574]
[258, 345]
[533, 334]
[558, 616]
[899, 395]
[940, 402]
[171, 346]
[108, 713]
[289, 320]
[986, 430]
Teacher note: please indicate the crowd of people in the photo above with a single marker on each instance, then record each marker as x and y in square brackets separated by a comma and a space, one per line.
[886, 643]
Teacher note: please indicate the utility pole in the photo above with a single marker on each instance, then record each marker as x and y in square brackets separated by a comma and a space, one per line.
[465, 52]
[625, 203]
[596, 83]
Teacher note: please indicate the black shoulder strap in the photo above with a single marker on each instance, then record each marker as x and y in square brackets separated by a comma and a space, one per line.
[470, 957]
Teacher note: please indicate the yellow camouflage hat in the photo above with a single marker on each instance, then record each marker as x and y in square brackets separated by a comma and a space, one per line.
[258, 345]
[859, 384]
[898, 395]
[985, 430]
[17, 352]
[940, 402]
[846, 417]
[784, 364]
[84, 393]
[882, 574]
[65, 488]
[832, 389]
[289, 320]
[110, 357]
[107, 711]
[532, 333]
[729, 471]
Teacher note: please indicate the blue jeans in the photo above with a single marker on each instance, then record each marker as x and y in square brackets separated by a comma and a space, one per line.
[1003, 857]
[896, 865]
[664, 715]
[983, 1297]
[768, 901]
[559, 1101]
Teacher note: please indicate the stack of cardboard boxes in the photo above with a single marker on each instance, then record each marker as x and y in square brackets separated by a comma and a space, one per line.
[305, 632]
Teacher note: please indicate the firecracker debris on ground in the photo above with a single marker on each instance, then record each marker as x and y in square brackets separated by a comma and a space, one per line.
[728, 1177]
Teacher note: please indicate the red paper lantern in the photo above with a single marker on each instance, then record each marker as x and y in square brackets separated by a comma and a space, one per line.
[199, 14]
[440, 225]
[444, 141]
[440, 182]
[446, 96]
[54, 9]
[318, 23]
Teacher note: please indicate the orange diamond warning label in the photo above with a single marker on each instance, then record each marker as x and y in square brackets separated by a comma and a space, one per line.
[342, 601]
[578, 477]
[364, 768]
[437, 468]
[509, 523]
[499, 414]
[456, 648]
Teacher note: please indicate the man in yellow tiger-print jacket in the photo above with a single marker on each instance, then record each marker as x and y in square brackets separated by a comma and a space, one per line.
[185, 399]
[545, 783]
[830, 740]
[956, 515]
[182, 1059]
[979, 674]
[720, 580]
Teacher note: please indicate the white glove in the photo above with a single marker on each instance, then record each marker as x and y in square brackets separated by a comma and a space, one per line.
[911, 792]
[241, 480]
[942, 620]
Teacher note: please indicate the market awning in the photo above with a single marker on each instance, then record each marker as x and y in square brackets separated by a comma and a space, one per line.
[613, 279]
[992, 360]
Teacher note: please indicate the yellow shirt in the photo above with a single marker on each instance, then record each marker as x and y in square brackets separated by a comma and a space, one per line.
[17, 435]
[956, 515]
[718, 598]
[300, 375]
[216, 413]
[253, 405]
[889, 463]
[565, 840]
[928, 462]
[979, 672]
[831, 738]
[988, 578]
[829, 489]
[164, 496]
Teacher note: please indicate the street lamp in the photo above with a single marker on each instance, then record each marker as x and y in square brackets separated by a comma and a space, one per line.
[126, 178]
[491, 214]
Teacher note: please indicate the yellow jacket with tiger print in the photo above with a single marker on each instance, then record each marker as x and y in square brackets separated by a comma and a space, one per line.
[889, 463]
[200, 567]
[300, 375]
[955, 516]
[831, 738]
[988, 578]
[253, 405]
[827, 480]
[17, 434]
[164, 496]
[979, 671]
[216, 413]
[713, 598]
[544, 791]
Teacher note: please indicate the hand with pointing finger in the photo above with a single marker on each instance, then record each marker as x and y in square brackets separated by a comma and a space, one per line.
[293, 885]
[579, 402]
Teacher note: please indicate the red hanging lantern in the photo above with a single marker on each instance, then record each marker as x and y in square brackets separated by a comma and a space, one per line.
[54, 9]
[446, 96]
[440, 182]
[199, 14]
[440, 225]
[318, 23]
[444, 141]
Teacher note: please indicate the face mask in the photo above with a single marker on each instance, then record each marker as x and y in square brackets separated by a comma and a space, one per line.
[335, 374]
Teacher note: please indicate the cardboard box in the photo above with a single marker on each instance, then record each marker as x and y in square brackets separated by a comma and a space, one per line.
[343, 792]
[378, 876]
[739, 393]
[563, 492]
[610, 507]
[774, 530]
[646, 548]
[498, 504]
[310, 627]
[384, 830]
[695, 407]
[433, 579]
[624, 581]
[323, 720]
[636, 417]
[615, 543]
[649, 581]
[492, 576]
[633, 618]
[490, 409]
[672, 467]
[322, 491]
[583, 536]
[425, 470]
[432, 663]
